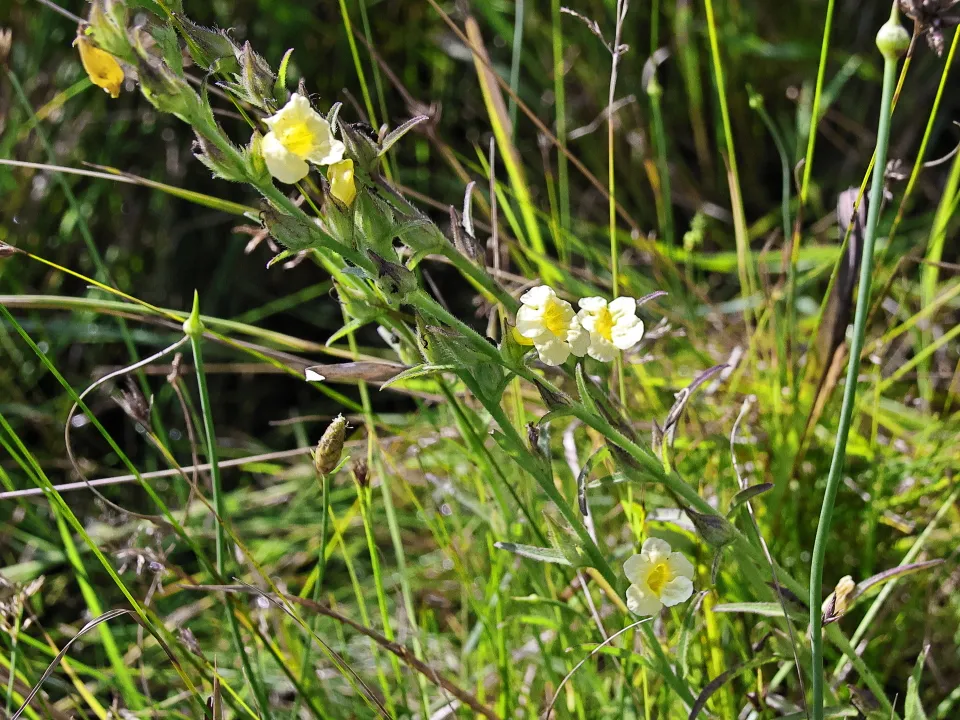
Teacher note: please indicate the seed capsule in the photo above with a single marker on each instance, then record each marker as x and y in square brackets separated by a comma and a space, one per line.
[330, 445]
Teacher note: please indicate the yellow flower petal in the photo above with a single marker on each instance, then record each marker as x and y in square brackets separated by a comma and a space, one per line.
[102, 67]
[342, 186]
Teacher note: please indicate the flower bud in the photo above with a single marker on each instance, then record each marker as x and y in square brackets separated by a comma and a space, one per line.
[836, 606]
[330, 446]
[360, 145]
[293, 232]
[394, 280]
[256, 77]
[7, 250]
[166, 91]
[361, 473]
[210, 49]
[342, 185]
[714, 530]
[223, 165]
[893, 39]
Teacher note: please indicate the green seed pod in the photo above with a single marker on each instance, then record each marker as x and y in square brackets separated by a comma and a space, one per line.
[222, 165]
[210, 49]
[166, 91]
[893, 39]
[256, 77]
[193, 325]
[715, 531]
[293, 232]
[330, 446]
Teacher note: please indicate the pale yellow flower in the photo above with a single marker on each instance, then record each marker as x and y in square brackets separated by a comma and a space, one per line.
[552, 325]
[612, 326]
[298, 134]
[102, 67]
[659, 578]
[342, 186]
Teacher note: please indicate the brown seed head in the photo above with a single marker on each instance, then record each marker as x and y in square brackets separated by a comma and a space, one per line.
[330, 445]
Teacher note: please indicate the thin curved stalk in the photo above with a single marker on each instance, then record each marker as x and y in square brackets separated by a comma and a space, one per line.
[850, 390]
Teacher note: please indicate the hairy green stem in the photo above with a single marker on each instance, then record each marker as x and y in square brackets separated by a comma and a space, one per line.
[850, 390]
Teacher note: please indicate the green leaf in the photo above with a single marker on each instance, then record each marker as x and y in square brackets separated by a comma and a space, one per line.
[767, 609]
[394, 135]
[913, 708]
[891, 574]
[350, 327]
[418, 371]
[747, 494]
[545, 555]
[280, 87]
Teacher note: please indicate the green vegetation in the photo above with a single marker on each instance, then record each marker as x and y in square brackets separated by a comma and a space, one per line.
[298, 431]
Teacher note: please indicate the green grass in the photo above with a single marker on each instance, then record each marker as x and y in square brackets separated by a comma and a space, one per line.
[388, 588]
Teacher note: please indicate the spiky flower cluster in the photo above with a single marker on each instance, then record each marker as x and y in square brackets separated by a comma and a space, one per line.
[600, 329]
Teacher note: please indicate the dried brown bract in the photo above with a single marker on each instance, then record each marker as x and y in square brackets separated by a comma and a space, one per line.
[930, 18]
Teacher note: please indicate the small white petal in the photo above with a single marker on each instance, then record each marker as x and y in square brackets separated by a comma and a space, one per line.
[313, 376]
[538, 296]
[676, 591]
[636, 568]
[327, 153]
[282, 164]
[592, 304]
[626, 334]
[579, 339]
[530, 322]
[623, 307]
[554, 351]
[656, 549]
[642, 603]
[601, 349]
[679, 566]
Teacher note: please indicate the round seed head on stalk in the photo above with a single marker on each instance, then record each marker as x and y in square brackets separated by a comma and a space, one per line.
[893, 40]
[361, 473]
[330, 447]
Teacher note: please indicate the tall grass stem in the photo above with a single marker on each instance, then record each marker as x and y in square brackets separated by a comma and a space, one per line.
[850, 390]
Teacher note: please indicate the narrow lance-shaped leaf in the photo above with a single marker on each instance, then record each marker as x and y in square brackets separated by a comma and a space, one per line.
[394, 135]
[545, 555]
[746, 495]
[913, 708]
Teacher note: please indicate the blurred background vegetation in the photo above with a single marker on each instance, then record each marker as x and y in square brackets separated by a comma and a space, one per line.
[160, 248]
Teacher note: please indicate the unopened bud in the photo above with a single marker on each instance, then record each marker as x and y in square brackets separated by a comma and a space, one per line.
[330, 446]
[166, 91]
[893, 40]
[256, 77]
[7, 250]
[293, 232]
[361, 473]
[395, 281]
[714, 530]
[210, 49]
[223, 165]
[836, 606]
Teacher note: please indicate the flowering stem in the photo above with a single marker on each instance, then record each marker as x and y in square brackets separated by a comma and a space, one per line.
[853, 368]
